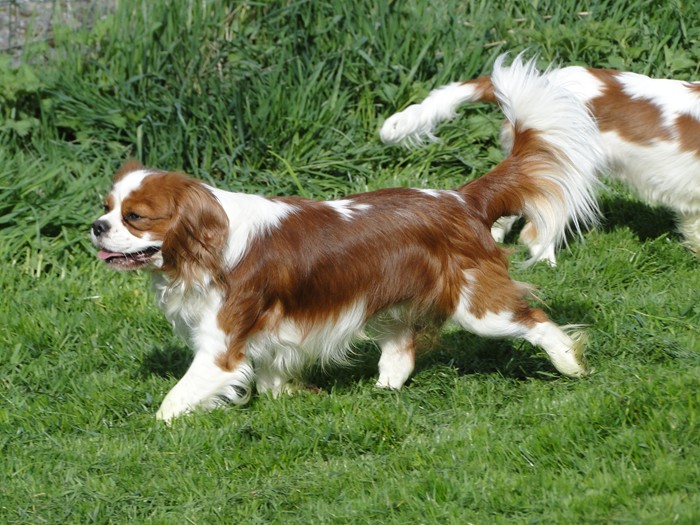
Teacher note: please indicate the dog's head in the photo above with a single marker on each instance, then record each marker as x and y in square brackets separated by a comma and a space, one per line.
[161, 221]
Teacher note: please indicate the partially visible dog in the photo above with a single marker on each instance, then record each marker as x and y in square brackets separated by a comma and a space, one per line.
[649, 129]
[262, 288]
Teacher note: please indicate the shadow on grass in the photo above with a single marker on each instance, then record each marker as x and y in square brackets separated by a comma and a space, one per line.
[467, 353]
[647, 222]
[168, 361]
[473, 355]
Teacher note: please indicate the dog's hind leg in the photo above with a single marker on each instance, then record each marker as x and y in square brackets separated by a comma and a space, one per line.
[564, 346]
[529, 237]
[397, 361]
[503, 312]
[690, 228]
[502, 227]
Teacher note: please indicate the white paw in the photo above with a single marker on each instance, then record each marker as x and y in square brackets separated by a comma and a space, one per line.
[277, 386]
[393, 383]
[544, 254]
[172, 408]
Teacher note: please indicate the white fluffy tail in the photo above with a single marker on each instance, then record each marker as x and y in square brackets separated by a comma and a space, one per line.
[530, 101]
[417, 122]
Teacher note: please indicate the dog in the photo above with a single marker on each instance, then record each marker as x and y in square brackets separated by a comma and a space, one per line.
[649, 129]
[263, 288]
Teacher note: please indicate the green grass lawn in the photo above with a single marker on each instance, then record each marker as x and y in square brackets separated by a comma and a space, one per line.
[286, 98]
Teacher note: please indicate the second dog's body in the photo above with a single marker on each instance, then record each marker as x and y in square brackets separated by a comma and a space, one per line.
[649, 130]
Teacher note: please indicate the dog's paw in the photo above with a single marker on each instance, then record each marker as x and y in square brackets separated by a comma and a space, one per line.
[172, 408]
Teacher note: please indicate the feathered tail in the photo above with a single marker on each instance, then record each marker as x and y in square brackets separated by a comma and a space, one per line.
[550, 175]
[418, 121]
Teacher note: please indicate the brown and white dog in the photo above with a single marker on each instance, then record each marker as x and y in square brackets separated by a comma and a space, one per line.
[649, 130]
[262, 288]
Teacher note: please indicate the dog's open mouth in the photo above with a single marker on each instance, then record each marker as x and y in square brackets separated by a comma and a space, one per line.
[128, 261]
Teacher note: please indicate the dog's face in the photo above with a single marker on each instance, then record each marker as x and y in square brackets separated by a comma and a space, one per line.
[158, 220]
[131, 231]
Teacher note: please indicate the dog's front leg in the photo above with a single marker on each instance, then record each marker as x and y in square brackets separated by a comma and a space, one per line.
[207, 383]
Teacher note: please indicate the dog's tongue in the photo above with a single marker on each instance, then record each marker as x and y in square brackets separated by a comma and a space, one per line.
[104, 254]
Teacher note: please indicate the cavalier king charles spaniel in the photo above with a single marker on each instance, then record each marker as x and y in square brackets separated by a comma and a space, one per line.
[649, 130]
[263, 288]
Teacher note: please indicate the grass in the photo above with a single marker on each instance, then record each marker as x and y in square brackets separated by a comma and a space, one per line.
[286, 98]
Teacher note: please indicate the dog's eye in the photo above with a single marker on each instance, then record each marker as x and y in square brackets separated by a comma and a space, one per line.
[105, 207]
[131, 216]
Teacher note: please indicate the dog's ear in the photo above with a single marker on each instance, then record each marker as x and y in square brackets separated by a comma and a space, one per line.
[194, 244]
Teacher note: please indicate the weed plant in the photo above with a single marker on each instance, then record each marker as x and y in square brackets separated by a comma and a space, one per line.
[286, 98]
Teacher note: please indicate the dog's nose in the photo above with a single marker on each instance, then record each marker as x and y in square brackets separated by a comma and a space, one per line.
[99, 227]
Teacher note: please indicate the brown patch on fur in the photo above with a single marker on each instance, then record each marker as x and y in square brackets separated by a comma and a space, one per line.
[109, 202]
[485, 279]
[235, 353]
[688, 129]
[528, 234]
[408, 249]
[126, 168]
[483, 88]
[693, 86]
[530, 317]
[506, 188]
[634, 119]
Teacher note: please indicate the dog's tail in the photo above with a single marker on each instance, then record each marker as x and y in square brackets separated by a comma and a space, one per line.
[550, 173]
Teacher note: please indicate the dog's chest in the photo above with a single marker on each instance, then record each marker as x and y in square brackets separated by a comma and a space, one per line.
[186, 307]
